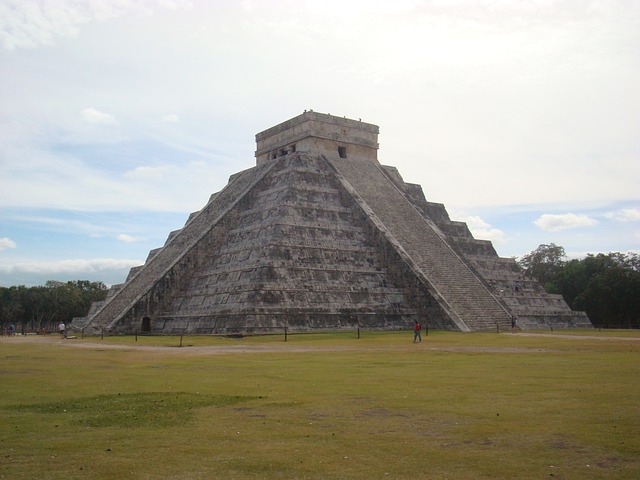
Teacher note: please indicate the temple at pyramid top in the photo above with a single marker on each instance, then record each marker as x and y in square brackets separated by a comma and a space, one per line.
[334, 137]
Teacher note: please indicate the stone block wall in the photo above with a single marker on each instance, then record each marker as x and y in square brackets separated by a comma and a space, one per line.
[318, 133]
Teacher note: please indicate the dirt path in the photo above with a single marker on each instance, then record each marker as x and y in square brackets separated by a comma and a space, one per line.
[208, 349]
[579, 337]
[283, 347]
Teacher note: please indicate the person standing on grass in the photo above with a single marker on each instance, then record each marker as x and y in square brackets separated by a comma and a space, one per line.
[63, 331]
[416, 332]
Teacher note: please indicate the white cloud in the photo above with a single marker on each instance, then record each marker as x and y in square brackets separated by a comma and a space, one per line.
[95, 228]
[108, 270]
[123, 237]
[625, 215]
[170, 118]
[6, 243]
[92, 115]
[482, 230]
[149, 173]
[38, 179]
[555, 223]
[247, 5]
[33, 23]
[71, 266]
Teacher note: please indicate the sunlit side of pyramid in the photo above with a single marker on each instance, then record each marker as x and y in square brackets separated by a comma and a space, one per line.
[320, 235]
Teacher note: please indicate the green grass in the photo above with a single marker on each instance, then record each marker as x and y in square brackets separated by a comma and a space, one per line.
[458, 406]
[130, 410]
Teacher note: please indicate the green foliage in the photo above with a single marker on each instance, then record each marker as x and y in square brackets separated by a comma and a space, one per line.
[606, 286]
[612, 298]
[41, 306]
[543, 263]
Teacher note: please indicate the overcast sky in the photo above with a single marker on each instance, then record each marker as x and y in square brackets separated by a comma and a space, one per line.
[118, 117]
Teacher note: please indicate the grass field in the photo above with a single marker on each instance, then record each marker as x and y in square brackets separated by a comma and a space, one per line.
[331, 406]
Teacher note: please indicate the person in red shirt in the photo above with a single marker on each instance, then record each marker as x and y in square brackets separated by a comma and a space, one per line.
[416, 332]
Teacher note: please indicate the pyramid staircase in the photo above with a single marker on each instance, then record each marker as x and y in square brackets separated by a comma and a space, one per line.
[469, 303]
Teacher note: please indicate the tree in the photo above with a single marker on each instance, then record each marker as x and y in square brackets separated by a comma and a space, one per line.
[612, 298]
[12, 303]
[605, 286]
[574, 278]
[543, 264]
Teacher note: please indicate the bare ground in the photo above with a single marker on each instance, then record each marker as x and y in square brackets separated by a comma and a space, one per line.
[292, 347]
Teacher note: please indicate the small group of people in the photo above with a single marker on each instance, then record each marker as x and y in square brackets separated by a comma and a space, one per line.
[8, 330]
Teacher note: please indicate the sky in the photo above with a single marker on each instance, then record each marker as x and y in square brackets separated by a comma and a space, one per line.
[118, 118]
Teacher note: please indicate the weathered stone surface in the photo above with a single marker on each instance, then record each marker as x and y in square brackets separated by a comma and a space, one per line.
[320, 235]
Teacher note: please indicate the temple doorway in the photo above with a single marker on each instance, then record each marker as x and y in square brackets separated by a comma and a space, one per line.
[146, 324]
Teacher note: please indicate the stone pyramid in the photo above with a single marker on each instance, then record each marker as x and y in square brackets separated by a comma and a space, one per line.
[320, 235]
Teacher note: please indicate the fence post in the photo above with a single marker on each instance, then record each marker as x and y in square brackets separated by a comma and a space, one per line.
[497, 327]
[136, 334]
[285, 334]
[358, 332]
[102, 335]
[181, 339]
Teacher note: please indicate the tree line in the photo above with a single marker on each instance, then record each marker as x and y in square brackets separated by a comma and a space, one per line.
[32, 309]
[605, 286]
